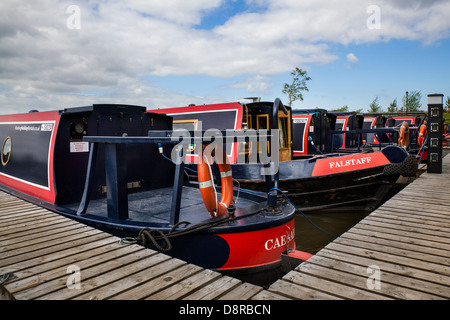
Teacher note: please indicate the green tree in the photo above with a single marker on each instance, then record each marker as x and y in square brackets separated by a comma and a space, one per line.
[342, 109]
[412, 101]
[447, 103]
[294, 90]
[393, 106]
[374, 106]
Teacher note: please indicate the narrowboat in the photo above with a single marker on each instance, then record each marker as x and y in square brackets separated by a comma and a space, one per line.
[311, 131]
[347, 121]
[111, 167]
[371, 122]
[407, 129]
[313, 128]
[325, 181]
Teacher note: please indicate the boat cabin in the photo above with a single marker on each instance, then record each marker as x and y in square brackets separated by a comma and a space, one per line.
[346, 121]
[414, 120]
[48, 159]
[311, 131]
[372, 121]
[235, 116]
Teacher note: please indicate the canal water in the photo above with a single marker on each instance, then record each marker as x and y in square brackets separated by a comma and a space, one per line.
[311, 239]
[308, 236]
[312, 233]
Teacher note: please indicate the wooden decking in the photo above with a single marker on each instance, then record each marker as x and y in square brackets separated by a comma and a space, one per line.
[403, 246]
[400, 251]
[41, 252]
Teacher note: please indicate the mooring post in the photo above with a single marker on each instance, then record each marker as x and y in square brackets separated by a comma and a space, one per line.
[435, 132]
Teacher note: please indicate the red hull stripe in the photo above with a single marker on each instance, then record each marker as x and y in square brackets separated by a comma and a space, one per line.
[349, 163]
[259, 248]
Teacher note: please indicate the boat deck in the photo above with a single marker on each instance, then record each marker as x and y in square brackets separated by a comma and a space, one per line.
[152, 207]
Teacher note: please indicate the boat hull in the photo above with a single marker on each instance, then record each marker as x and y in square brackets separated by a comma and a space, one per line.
[252, 241]
[359, 191]
[238, 252]
[356, 182]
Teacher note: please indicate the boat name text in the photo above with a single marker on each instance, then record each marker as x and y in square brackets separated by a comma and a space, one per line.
[350, 162]
[280, 241]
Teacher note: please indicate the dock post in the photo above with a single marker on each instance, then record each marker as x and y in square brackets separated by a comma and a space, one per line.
[435, 132]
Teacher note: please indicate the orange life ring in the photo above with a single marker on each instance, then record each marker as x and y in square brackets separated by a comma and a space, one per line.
[206, 184]
[403, 137]
[422, 134]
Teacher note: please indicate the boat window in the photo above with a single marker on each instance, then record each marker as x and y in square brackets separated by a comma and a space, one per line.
[262, 122]
[78, 130]
[190, 125]
[246, 147]
[283, 126]
[6, 151]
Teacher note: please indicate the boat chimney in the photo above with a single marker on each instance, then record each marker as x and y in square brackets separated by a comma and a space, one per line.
[254, 99]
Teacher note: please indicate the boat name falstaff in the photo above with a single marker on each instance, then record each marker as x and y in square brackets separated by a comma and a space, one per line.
[350, 162]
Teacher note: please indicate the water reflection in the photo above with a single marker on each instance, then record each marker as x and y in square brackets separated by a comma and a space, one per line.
[310, 239]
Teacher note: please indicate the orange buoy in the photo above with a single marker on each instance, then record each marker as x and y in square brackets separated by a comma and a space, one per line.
[403, 137]
[422, 134]
[206, 184]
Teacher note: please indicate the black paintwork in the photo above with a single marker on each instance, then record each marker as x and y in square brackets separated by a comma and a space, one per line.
[108, 120]
[29, 152]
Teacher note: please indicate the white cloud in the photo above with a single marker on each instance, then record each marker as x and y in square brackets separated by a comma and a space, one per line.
[257, 84]
[351, 58]
[119, 43]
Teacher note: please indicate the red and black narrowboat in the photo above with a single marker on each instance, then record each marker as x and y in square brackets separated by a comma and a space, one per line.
[110, 166]
[407, 129]
[311, 132]
[356, 181]
[347, 121]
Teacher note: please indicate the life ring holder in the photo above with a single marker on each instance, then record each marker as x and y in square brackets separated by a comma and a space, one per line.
[206, 183]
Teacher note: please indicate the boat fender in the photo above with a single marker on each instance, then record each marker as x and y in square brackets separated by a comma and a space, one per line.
[207, 188]
[403, 136]
[422, 134]
[406, 168]
[292, 259]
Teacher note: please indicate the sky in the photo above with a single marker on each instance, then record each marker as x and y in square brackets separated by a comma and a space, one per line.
[172, 53]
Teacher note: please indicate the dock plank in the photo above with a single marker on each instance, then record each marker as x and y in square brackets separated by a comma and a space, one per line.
[186, 286]
[418, 245]
[410, 288]
[134, 280]
[33, 276]
[214, 289]
[95, 276]
[243, 292]
[291, 290]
